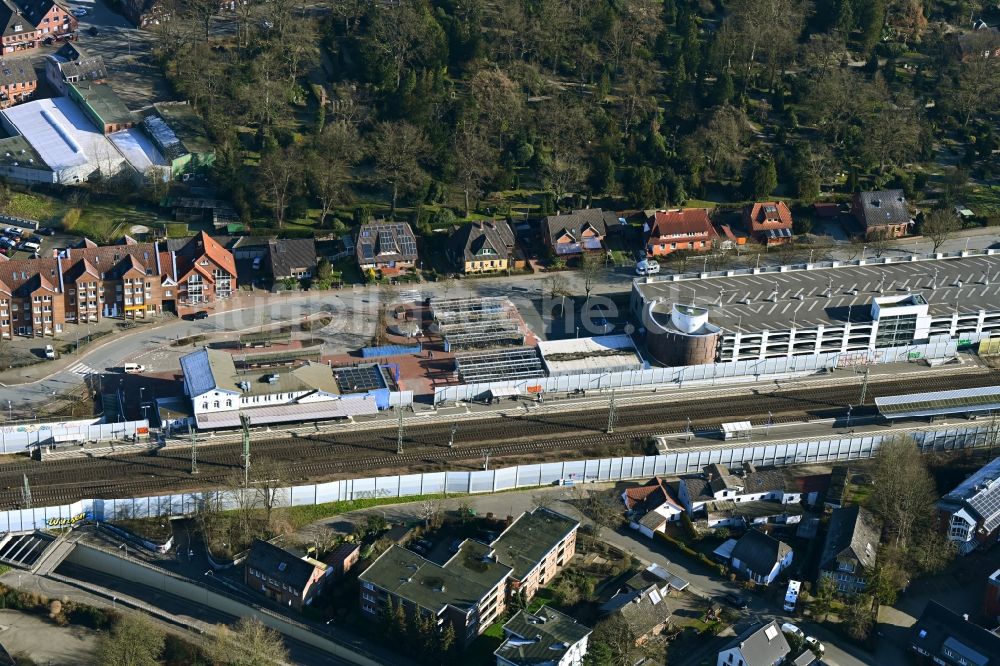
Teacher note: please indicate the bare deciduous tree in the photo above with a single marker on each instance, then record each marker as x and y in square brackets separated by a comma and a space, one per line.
[398, 149]
[903, 491]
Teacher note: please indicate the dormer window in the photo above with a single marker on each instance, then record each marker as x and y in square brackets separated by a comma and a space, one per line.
[18, 28]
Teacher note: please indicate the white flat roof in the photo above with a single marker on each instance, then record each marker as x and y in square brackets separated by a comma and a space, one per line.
[138, 149]
[597, 354]
[290, 413]
[63, 136]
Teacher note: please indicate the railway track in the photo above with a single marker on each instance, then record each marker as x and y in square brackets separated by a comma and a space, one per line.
[326, 455]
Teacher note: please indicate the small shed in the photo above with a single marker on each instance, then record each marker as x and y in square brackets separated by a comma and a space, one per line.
[736, 430]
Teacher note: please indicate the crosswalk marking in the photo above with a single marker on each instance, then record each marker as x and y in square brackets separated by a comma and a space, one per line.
[81, 369]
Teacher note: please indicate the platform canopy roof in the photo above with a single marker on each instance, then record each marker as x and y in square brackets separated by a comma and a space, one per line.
[940, 403]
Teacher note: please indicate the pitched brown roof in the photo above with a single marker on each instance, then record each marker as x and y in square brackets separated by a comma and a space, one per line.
[767, 215]
[218, 254]
[682, 221]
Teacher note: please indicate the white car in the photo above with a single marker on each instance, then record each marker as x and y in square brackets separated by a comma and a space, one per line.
[79, 12]
[50, 353]
[815, 645]
[647, 267]
[789, 628]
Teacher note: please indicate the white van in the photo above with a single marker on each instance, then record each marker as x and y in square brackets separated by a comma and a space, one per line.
[792, 595]
[30, 247]
[647, 267]
[134, 368]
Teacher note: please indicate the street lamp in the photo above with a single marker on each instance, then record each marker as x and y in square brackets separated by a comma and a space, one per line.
[850, 408]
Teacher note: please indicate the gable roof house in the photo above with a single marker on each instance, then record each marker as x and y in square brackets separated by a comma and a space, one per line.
[646, 612]
[680, 229]
[292, 258]
[970, 513]
[760, 557]
[386, 246]
[882, 211]
[284, 577]
[651, 506]
[942, 636]
[577, 232]
[769, 222]
[852, 540]
[543, 638]
[70, 64]
[482, 247]
[762, 645]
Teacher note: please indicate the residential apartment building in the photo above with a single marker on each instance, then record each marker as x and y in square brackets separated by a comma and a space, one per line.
[970, 514]
[29, 23]
[38, 297]
[468, 591]
[536, 547]
[17, 81]
[852, 541]
[284, 577]
[472, 588]
[680, 229]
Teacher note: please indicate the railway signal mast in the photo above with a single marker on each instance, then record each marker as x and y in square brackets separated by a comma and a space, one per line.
[194, 449]
[245, 422]
[611, 413]
[26, 492]
[399, 431]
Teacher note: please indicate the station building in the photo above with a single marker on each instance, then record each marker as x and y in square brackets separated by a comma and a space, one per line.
[220, 391]
[799, 311]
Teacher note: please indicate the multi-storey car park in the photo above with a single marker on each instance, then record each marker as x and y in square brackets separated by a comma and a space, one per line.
[809, 310]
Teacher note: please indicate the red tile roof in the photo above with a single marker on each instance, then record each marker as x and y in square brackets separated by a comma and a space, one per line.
[218, 254]
[681, 222]
[767, 215]
[654, 492]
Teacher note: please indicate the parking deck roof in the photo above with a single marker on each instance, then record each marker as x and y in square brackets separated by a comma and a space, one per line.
[966, 284]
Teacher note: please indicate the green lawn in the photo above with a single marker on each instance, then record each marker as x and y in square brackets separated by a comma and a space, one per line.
[34, 207]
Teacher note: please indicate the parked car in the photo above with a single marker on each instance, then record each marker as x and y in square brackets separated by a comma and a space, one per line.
[134, 368]
[256, 263]
[79, 12]
[47, 231]
[13, 232]
[93, 31]
[194, 316]
[647, 267]
[50, 353]
[737, 600]
[789, 628]
[815, 645]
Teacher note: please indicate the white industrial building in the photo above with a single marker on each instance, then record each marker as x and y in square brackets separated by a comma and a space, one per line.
[70, 148]
[141, 154]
